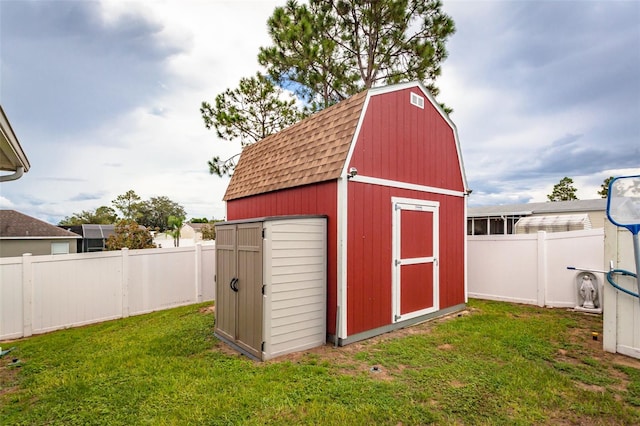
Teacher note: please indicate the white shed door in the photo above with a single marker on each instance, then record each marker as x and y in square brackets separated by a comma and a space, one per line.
[415, 258]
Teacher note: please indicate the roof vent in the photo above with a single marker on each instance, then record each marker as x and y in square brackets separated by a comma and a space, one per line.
[417, 100]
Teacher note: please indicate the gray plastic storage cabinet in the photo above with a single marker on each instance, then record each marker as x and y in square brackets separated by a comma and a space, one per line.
[271, 283]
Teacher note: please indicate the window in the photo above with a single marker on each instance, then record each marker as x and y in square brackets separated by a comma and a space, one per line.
[496, 226]
[480, 226]
[60, 248]
[493, 225]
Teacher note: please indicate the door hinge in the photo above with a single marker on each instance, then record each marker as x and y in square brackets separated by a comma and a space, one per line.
[263, 233]
[397, 207]
[263, 288]
[396, 317]
[215, 278]
[262, 347]
[397, 262]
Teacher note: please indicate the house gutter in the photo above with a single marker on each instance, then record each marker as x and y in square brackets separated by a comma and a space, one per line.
[13, 176]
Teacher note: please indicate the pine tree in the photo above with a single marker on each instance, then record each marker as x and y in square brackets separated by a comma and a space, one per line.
[324, 52]
[563, 190]
[604, 188]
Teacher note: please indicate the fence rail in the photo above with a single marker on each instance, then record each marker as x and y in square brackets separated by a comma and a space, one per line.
[44, 293]
[532, 268]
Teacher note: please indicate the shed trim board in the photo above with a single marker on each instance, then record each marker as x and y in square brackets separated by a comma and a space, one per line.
[405, 185]
[466, 256]
[391, 327]
[400, 312]
[341, 311]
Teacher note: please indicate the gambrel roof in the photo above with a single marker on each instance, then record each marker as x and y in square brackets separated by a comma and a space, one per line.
[312, 150]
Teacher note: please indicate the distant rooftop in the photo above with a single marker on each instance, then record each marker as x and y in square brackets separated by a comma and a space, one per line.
[599, 204]
[15, 225]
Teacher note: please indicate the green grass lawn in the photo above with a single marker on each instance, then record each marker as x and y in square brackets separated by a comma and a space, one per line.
[497, 363]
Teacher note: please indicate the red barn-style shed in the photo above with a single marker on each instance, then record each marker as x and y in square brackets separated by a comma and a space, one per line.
[385, 168]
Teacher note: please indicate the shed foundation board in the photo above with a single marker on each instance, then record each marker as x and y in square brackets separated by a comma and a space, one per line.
[397, 326]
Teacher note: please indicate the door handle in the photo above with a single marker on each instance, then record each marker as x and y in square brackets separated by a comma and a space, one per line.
[234, 284]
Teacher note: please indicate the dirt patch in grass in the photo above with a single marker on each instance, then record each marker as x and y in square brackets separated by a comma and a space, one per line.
[8, 374]
[208, 309]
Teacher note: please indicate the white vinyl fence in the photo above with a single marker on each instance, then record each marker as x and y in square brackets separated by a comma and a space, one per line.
[532, 268]
[44, 293]
[621, 316]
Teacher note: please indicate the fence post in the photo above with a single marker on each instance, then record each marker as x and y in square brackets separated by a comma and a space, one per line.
[542, 268]
[198, 263]
[610, 295]
[27, 295]
[125, 282]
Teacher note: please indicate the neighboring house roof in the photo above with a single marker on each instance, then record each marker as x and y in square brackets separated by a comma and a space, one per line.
[539, 208]
[15, 225]
[196, 226]
[12, 157]
[310, 151]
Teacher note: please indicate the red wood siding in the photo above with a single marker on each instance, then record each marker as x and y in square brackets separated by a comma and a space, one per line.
[369, 254]
[401, 142]
[417, 287]
[316, 199]
[417, 223]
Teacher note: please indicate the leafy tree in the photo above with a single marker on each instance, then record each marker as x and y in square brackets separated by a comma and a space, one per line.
[129, 205]
[253, 111]
[324, 52]
[563, 190]
[208, 232]
[131, 235]
[199, 220]
[156, 211]
[331, 50]
[101, 216]
[175, 226]
[604, 188]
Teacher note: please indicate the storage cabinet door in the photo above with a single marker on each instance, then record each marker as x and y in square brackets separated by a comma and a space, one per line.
[250, 299]
[226, 267]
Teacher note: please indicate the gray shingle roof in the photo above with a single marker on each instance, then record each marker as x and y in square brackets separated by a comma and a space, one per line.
[540, 208]
[14, 224]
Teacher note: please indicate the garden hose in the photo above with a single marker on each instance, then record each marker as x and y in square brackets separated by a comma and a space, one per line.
[616, 286]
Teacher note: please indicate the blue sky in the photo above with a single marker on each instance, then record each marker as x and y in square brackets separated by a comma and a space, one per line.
[104, 96]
